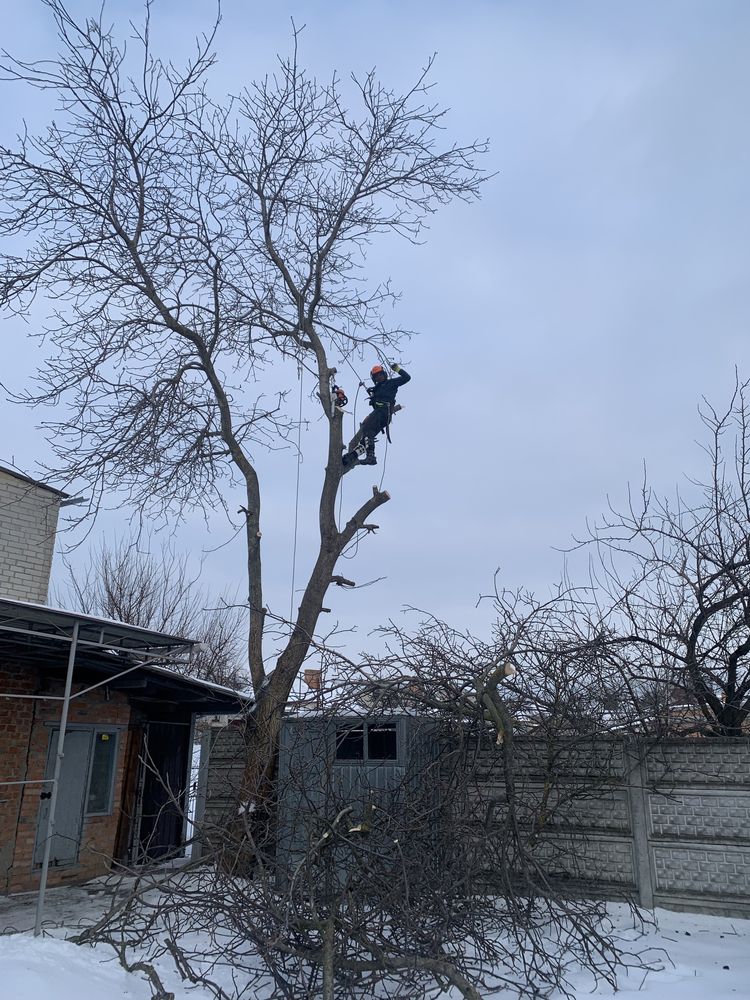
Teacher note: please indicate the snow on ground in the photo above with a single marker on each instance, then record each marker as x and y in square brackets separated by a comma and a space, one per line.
[689, 957]
[48, 969]
[69, 907]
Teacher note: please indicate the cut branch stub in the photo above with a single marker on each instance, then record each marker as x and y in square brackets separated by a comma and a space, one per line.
[493, 707]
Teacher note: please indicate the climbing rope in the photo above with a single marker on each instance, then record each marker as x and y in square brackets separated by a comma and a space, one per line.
[296, 495]
[385, 459]
[341, 501]
[360, 384]
[346, 360]
[354, 419]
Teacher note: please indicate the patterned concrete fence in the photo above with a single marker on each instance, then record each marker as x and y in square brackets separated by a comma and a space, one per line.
[696, 800]
[667, 823]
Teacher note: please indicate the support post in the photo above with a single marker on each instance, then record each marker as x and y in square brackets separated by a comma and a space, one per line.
[638, 798]
[56, 782]
[200, 795]
[188, 796]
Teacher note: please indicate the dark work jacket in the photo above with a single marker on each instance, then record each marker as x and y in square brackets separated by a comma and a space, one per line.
[383, 394]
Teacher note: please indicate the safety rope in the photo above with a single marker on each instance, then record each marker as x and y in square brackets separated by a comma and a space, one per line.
[355, 541]
[296, 495]
[354, 420]
[354, 370]
[385, 459]
[354, 544]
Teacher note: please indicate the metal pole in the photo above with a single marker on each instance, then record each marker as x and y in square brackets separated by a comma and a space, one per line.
[200, 795]
[187, 799]
[39, 781]
[56, 782]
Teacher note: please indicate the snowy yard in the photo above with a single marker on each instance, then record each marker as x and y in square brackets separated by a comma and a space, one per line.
[691, 957]
[31, 969]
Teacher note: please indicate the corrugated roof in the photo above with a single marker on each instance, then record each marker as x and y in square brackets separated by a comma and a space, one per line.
[57, 623]
[45, 633]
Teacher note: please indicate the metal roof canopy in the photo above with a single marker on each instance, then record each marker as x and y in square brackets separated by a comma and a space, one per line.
[123, 656]
[108, 646]
[42, 622]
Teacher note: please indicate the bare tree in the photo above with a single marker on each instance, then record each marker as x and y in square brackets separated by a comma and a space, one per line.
[191, 249]
[131, 584]
[408, 868]
[673, 578]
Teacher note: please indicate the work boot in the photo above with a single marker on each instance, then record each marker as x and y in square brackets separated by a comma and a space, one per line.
[349, 459]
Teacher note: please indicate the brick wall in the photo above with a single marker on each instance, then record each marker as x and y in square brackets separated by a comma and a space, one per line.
[15, 728]
[25, 729]
[28, 521]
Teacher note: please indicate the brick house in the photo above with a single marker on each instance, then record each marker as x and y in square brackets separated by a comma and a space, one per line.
[28, 522]
[126, 714]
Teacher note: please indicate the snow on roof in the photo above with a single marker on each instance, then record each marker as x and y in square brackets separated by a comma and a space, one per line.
[42, 614]
[211, 685]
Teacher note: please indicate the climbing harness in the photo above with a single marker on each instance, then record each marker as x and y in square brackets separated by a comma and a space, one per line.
[363, 453]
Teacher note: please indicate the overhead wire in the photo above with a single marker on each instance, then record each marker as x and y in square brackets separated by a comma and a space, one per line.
[296, 494]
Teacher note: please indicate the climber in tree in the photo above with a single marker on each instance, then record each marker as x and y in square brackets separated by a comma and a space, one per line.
[383, 403]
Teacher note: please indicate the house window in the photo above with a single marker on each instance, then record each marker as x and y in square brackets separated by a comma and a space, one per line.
[350, 743]
[367, 742]
[102, 775]
[381, 742]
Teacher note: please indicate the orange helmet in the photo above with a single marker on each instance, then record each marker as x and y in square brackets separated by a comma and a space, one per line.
[377, 373]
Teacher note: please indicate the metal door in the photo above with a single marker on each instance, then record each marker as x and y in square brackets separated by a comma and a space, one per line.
[74, 773]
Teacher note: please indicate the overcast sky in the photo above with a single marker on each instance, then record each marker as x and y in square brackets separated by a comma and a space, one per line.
[570, 322]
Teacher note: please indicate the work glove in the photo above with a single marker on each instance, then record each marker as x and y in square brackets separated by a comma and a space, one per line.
[395, 367]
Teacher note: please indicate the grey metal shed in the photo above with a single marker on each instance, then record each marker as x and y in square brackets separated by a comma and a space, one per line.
[328, 763]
